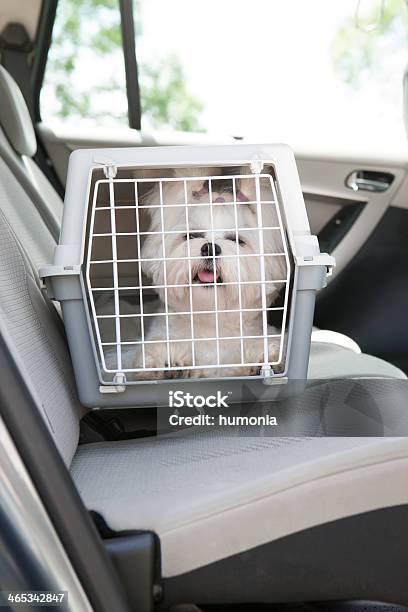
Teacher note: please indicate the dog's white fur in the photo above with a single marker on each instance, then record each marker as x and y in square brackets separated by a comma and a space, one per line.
[198, 297]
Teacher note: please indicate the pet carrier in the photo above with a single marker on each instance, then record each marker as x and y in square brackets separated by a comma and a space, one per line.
[187, 269]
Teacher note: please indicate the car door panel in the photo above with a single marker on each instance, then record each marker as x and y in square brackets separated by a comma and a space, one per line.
[369, 300]
[324, 186]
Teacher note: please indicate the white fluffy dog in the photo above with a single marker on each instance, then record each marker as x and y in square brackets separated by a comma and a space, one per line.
[197, 267]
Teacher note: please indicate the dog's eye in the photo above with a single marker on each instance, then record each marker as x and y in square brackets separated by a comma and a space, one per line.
[234, 238]
[191, 236]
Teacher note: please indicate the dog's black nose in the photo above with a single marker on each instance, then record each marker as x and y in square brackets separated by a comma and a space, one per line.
[207, 249]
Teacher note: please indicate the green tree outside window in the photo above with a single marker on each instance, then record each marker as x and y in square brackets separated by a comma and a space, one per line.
[93, 27]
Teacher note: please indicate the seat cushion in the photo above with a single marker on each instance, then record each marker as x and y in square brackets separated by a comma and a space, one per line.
[330, 360]
[212, 495]
[331, 337]
[14, 116]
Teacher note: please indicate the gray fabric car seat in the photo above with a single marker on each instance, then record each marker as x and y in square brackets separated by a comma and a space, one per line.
[18, 145]
[210, 498]
[24, 218]
[33, 327]
[18, 128]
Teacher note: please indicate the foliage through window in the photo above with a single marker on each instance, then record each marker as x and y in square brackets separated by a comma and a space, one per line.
[301, 71]
[85, 73]
[305, 72]
[85, 76]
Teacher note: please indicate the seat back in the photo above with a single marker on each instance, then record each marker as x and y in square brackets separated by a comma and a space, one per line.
[17, 149]
[24, 218]
[30, 323]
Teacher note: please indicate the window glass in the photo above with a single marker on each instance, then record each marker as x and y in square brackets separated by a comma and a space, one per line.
[307, 71]
[85, 73]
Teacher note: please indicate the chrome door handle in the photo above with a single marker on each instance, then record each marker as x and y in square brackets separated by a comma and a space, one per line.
[369, 180]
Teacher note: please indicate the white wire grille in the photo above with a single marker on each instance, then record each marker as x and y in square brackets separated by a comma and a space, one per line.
[214, 251]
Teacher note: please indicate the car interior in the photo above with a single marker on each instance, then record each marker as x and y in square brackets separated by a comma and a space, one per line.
[314, 518]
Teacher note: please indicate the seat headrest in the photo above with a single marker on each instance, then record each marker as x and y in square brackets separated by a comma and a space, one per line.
[14, 116]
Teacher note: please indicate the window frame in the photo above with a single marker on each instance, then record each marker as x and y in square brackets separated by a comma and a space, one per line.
[131, 67]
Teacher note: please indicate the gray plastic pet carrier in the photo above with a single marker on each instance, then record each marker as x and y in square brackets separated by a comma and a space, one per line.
[187, 269]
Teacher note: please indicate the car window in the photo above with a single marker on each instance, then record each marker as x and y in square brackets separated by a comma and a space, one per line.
[292, 70]
[297, 71]
[85, 74]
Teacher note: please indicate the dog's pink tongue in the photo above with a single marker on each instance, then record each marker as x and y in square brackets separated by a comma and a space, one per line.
[206, 276]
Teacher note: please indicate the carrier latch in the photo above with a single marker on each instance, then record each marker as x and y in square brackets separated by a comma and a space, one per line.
[313, 270]
[322, 259]
[119, 384]
[53, 279]
[256, 166]
[109, 167]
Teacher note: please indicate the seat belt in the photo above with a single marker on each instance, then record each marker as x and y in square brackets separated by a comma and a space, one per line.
[16, 50]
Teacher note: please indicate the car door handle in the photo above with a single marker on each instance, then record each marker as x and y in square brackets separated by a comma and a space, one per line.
[369, 180]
